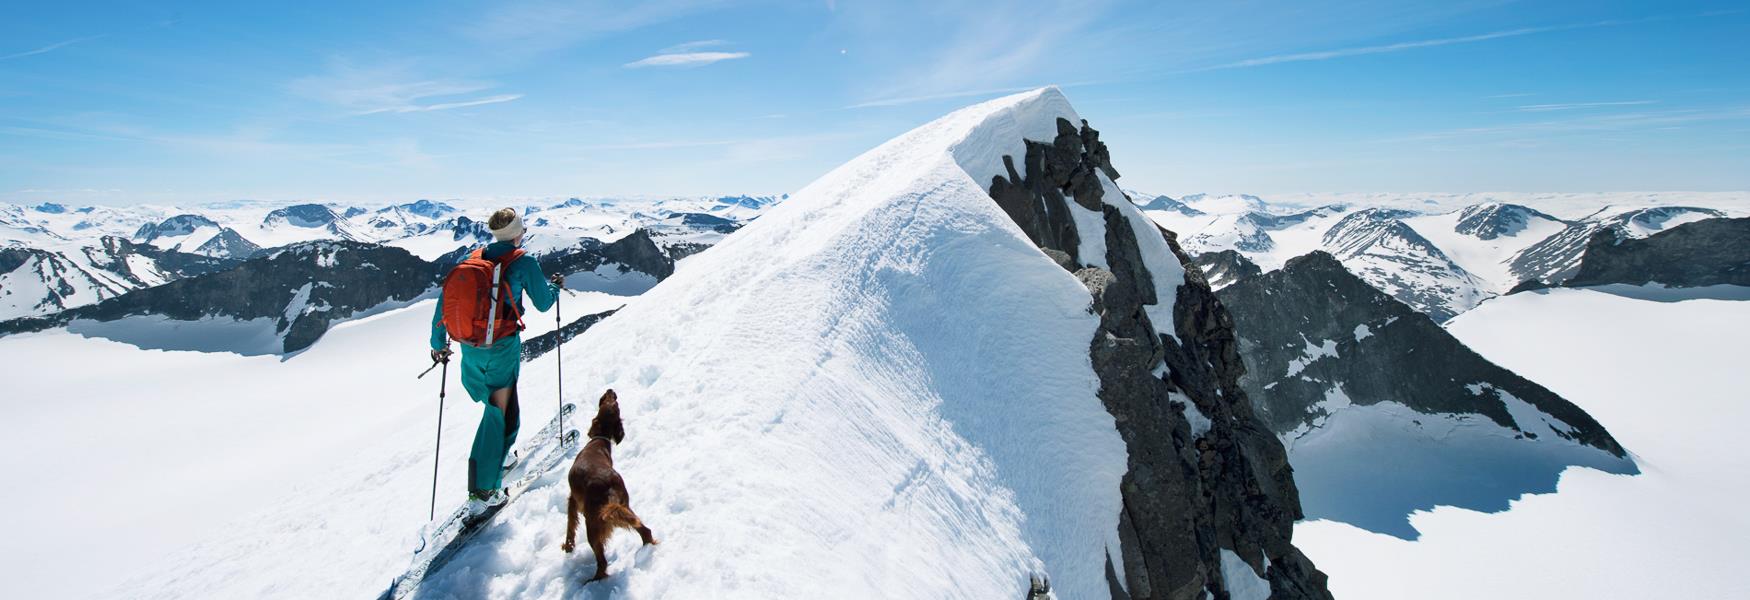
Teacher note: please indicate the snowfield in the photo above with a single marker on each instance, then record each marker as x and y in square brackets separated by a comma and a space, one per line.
[878, 389]
[175, 471]
[1667, 378]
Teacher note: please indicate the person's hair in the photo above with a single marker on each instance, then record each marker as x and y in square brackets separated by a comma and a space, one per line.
[501, 218]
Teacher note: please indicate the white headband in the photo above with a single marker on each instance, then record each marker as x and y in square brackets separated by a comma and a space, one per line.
[510, 231]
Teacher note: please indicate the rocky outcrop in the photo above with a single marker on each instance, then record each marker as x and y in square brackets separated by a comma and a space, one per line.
[1385, 413]
[1204, 474]
[1701, 253]
[1225, 268]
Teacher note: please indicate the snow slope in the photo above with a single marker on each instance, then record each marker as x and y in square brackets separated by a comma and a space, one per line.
[878, 389]
[219, 475]
[1666, 378]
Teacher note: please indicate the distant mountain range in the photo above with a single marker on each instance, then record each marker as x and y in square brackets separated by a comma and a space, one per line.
[198, 281]
[1439, 263]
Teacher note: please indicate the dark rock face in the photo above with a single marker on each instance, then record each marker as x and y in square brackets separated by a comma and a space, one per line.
[50, 208]
[467, 230]
[1706, 252]
[1189, 493]
[302, 288]
[1411, 361]
[1318, 340]
[1225, 268]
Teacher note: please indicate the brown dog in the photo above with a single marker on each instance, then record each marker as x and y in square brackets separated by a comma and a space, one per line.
[597, 490]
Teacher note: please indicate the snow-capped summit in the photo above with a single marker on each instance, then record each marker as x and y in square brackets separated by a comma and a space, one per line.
[1378, 246]
[1147, 201]
[1224, 203]
[301, 215]
[1493, 220]
[899, 316]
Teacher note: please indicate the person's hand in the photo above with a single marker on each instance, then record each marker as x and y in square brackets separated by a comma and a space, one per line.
[557, 279]
[440, 356]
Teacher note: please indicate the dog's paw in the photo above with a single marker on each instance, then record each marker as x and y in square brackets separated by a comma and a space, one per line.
[568, 547]
[598, 577]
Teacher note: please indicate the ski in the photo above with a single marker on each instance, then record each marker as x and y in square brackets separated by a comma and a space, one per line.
[445, 541]
[547, 431]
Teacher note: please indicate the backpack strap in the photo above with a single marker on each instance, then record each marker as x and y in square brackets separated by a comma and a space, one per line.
[505, 262]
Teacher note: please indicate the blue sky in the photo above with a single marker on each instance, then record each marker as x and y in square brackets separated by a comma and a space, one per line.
[188, 102]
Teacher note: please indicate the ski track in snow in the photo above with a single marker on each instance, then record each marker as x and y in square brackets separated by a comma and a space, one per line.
[1667, 380]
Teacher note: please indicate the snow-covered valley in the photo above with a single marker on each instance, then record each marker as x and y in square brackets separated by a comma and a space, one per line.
[1666, 376]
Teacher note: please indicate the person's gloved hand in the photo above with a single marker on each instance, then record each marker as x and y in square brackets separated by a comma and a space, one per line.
[557, 279]
[440, 356]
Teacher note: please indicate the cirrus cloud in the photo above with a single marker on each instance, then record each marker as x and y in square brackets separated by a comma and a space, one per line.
[685, 59]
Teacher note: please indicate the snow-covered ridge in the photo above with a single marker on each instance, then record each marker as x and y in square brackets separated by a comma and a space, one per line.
[851, 358]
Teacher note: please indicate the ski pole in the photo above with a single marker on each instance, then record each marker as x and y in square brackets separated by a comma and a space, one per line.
[440, 433]
[559, 361]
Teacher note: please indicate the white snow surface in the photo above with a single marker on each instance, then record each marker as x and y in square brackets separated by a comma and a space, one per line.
[880, 379]
[1243, 583]
[843, 385]
[1666, 378]
[878, 389]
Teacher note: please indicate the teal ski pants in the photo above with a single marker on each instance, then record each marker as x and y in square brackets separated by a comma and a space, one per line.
[485, 370]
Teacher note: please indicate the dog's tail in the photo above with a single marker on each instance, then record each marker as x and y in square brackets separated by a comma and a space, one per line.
[617, 514]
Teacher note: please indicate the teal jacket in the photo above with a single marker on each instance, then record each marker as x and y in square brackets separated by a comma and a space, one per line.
[525, 277]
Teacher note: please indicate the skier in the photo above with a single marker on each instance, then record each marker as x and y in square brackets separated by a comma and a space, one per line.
[490, 366]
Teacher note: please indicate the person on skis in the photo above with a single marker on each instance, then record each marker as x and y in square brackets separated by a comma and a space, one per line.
[490, 366]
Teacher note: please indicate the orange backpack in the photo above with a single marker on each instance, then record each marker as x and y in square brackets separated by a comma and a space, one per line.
[478, 308]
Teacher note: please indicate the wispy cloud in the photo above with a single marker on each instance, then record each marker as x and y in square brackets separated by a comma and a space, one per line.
[1579, 105]
[1429, 43]
[685, 59]
[394, 89]
[448, 105]
[50, 48]
[1398, 47]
